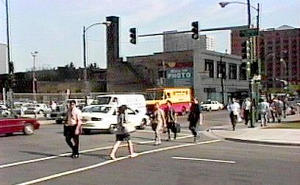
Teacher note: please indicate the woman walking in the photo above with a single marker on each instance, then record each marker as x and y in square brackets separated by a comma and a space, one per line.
[234, 111]
[158, 123]
[122, 134]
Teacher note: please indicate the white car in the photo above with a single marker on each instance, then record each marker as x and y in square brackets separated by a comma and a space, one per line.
[211, 105]
[37, 109]
[104, 117]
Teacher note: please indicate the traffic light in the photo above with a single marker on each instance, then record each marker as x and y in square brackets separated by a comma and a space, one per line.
[245, 50]
[132, 35]
[195, 30]
[11, 67]
[254, 68]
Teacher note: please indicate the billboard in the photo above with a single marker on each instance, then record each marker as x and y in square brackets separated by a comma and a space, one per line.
[180, 77]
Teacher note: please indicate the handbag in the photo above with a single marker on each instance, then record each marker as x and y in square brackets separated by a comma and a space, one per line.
[129, 127]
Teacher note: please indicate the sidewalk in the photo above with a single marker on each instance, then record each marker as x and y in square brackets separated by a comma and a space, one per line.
[260, 135]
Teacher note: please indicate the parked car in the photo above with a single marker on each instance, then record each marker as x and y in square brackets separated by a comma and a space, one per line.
[38, 109]
[9, 125]
[211, 105]
[4, 111]
[104, 117]
[59, 114]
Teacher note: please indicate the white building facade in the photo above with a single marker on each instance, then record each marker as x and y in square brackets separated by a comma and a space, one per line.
[208, 69]
[3, 59]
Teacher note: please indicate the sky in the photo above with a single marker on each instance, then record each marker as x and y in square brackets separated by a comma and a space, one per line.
[54, 27]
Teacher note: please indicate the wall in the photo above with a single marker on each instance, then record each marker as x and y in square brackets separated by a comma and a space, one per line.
[3, 59]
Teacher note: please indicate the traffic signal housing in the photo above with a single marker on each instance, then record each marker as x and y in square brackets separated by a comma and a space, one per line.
[254, 69]
[11, 67]
[195, 30]
[245, 52]
[132, 35]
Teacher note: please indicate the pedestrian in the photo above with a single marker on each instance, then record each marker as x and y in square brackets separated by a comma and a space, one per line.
[72, 128]
[53, 106]
[279, 109]
[122, 134]
[273, 110]
[263, 109]
[246, 106]
[234, 110]
[194, 117]
[158, 123]
[170, 120]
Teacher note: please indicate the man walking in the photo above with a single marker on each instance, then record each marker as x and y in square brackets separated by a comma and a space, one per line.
[246, 110]
[263, 109]
[193, 118]
[234, 110]
[72, 128]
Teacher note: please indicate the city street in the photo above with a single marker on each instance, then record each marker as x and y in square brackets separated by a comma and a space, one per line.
[43, 158]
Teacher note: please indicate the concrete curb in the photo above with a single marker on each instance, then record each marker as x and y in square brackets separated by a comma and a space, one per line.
[262, 142]
[252, 141]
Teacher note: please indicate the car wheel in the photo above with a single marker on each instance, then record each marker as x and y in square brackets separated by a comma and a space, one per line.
[112, 129]
[58, 121]
[86, 131]
[183, 111]
[28, 129]
[143, 124]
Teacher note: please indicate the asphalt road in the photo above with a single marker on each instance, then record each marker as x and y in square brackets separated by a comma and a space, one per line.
[43, 159]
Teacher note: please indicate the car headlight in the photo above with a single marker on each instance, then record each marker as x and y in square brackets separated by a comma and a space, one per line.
[96, 119]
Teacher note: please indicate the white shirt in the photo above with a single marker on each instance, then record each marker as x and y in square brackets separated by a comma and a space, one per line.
[247, 105]
[234, 107]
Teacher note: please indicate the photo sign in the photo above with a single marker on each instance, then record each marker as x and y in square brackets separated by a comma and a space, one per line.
[180, 77]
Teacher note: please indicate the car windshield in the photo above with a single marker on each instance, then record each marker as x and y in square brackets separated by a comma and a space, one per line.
[154, 95]
[98, 109]
[207, 102]
[102, 100]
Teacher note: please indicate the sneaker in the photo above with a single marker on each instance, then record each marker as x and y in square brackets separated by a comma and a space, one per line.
[133, 155]
[195, 139]
[75, 156]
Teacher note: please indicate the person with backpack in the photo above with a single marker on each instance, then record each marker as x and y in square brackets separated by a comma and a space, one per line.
[122, 134]
[171, 120]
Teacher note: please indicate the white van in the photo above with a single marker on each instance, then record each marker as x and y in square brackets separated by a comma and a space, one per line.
[134, 101]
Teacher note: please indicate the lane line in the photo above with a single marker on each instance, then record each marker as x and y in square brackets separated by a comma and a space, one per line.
[207, 160]
[39, 180]
[81, 152]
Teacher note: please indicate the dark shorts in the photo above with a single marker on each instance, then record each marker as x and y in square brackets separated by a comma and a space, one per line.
[69, 130]
[123, 137]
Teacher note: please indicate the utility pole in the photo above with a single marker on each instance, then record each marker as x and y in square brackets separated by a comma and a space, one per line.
[222, 76]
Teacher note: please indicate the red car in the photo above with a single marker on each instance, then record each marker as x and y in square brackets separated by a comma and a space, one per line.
[9, 125]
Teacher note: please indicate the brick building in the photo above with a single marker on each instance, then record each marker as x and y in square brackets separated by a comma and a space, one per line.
[279, 51]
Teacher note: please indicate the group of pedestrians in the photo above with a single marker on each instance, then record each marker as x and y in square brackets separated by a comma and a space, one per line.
[162, 121]
[274, 109]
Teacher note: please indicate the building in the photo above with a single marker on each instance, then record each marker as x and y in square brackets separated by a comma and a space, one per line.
[279, 51]
[197, 67]
[183, 42]
[218, 74]
[3, 59]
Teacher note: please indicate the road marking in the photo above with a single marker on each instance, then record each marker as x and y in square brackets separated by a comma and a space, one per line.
[112, 161]
[207, 160]
[54, 157]
[81, 152]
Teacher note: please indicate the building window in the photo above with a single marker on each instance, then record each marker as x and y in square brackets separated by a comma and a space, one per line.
[221, 69]
[232, 71]
[209, 66]
[243, 71]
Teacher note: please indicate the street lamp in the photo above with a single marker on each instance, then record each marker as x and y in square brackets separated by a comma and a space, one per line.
[34, 54]
[251, 82]
[85, 29]
[222, 75]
